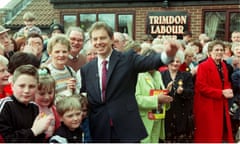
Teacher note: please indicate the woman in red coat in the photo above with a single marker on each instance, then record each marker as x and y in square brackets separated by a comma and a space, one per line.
[212, 90]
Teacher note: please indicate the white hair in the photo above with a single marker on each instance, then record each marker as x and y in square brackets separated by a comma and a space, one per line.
[3, 60]
[180, 56]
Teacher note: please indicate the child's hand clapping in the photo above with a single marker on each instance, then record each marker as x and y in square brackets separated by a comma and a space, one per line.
[41, 123]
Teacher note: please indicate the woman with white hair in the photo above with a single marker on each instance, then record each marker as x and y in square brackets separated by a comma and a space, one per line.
[5, 89]
[179, 120]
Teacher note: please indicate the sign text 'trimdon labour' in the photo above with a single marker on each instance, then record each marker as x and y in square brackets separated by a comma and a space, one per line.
[167, 23]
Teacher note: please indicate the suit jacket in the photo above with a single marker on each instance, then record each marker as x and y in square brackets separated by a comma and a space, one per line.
[210, 106]
[120, 106]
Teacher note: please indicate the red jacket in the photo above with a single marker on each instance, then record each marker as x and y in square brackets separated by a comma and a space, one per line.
[210, 106]
[7, 91]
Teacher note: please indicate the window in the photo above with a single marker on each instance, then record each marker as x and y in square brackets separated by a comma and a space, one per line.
[125, 24]
[220, 24]
[118, 21]
[69, 20]
[215, 24]
[234, 22]
[86, 20]
[108, 18]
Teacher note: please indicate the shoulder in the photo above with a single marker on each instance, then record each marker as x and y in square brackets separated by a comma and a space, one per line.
[71, 70]
[33, 105]
[89, 65]
[164, 72]
[186, 74]
[236, 73]
[206, 63]
[5, 101]
[58, 139]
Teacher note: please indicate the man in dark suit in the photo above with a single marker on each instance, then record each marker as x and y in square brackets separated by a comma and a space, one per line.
[114, 115]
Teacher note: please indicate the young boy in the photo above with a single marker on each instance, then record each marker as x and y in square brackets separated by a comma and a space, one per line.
[69, 111]
[20, 121]
[29, 21]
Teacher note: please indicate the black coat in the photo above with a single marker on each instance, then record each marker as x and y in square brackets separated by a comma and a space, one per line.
[179, 117]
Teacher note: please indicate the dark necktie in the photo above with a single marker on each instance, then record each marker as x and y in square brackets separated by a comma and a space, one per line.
[104, 79]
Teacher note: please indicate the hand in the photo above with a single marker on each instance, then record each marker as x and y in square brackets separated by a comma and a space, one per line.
[41, 123]
[180, 90]
[169, 86]
[71, 85]
[30, 49]
[162, 98]
[227, 93]
[172, 47]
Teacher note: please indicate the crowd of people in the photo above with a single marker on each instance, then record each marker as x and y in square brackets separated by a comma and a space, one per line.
[103, 86]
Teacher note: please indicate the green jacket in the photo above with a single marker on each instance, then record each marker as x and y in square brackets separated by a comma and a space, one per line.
[146, 103]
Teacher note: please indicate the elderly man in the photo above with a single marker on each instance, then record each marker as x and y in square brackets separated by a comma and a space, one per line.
[5, 41]
[119, 41]
[76, 37]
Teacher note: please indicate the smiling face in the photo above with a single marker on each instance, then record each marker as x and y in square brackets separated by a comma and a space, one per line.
[76, 41]
[175, 65]
[29, 23]
[24, 88]
[72, 118]
[102, 42]
[59, 55]
[4, 74]
[217, 53]
[44, 97]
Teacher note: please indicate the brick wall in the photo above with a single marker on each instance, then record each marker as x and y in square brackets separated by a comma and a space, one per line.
[195, 13]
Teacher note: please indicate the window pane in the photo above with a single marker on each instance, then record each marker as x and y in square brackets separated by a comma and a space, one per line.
[86, 20]
[215, 25]
[125, 24]
[108, 18]
[69, 20]
[234, 22]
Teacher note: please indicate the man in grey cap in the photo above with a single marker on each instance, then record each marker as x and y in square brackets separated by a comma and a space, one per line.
[5, 40]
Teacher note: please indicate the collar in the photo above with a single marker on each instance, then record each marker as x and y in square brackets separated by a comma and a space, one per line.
[100, 60]
[73, 57]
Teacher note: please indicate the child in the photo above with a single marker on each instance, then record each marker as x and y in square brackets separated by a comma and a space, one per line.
[29, 21]
[58, 49]
[20, 120]
[5, 89]
[45, 98]
[85, 121]
[69, 110]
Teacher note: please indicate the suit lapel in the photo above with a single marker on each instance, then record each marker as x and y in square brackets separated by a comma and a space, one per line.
[149, 80]
[96, 74]
[112, 64]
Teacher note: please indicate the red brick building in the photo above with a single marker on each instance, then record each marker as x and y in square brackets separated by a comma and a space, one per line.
[217, 18]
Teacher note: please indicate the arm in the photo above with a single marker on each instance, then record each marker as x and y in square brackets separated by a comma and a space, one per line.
[206, 82]
[168, 55]
[83, 86]
[7, 130]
